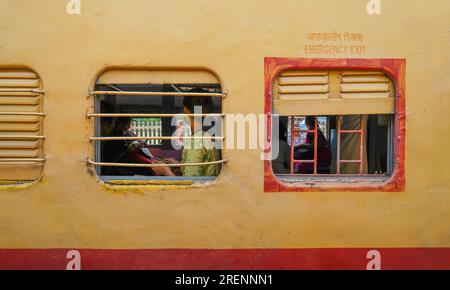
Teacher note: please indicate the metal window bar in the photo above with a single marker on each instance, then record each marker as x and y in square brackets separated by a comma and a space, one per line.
[106, 115]
[155, 138]
[91, 162]
[131, 93]
[99, 115]
[340, 131]
[299, 131]
[361, 145]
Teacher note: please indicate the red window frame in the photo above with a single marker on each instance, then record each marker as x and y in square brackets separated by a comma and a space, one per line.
[394, 68]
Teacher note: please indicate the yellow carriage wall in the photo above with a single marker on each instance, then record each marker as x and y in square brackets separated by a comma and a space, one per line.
[69, 208]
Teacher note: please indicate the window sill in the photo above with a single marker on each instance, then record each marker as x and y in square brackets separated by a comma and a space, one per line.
[157, 180]
[333, 183]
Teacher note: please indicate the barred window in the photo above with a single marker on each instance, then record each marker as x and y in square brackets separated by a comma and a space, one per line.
[21, 126]
[335, 128]
[146, 121]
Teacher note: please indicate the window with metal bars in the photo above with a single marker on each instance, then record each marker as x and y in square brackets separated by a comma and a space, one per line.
[333, 124]
[331, 146]
[358, 104]
[21, 126]
[149, 127]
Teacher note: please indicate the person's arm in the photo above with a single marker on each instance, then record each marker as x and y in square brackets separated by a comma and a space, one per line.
[139, 158]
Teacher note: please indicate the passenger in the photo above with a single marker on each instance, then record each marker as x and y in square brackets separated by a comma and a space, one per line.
[107, 124]
[124, 151]
[305, 151]
[281, 163]
[199, 150]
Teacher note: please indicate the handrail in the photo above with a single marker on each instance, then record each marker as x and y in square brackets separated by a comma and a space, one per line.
[156, 138]
[109, 115]
[89, 161]
[187, 94]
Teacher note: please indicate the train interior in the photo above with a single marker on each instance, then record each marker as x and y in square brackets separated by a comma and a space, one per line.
[371, 156]
[151, 127]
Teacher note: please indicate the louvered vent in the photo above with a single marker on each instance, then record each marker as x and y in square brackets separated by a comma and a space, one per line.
[303, 85]
[364, 85]
[20, 124]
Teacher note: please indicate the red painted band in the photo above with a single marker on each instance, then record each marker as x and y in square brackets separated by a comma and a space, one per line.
[232, 259]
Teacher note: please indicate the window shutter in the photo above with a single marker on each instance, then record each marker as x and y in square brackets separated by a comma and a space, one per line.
[21, 108]
[302, 92]
[364, 85]
[303, 85]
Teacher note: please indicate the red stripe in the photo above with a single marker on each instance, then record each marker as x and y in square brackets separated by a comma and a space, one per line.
[258, 259]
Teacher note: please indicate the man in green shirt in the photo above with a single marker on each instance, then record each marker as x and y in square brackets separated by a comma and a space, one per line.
[199, 150]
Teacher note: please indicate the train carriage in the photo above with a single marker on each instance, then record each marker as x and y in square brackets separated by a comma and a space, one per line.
[327, 117]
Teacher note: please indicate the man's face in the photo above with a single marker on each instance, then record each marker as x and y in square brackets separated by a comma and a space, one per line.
[107, 127]
[127, 126]
[124, 126]
[191, 119]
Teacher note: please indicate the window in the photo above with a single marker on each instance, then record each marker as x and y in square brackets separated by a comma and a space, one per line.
[148, 129]
[340, 146]
[335, 125]
[21, 128]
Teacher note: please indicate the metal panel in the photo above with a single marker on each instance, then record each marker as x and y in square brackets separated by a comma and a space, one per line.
[19, 83]
[18, 108]
[334, 107]
[17, 144]
[18, 153]
[303, 89]
[17, 119]
[365, 85]
[157, 76]
[333, 93]
[17, 74]
[19, 100]
[20, 125]
[301, 85]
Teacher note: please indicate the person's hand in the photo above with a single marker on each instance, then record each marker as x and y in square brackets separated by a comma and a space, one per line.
[172, 160]
[163, 171]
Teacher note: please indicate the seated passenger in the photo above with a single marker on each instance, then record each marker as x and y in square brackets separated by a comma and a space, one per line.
[199, 150]
[107, 124]
[124, 151]
[305, 151]
[282, 163]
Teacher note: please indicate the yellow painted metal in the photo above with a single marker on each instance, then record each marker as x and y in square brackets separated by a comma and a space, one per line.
[163, 75]
[333, 93]
[156, 94]
[21, 106]
[69, 208]
[346, 106]
[89, 161]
